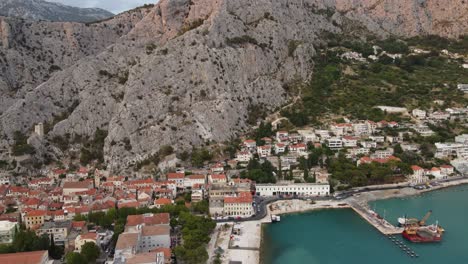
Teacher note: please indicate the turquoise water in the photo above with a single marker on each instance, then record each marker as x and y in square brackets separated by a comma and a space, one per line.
[341, 236]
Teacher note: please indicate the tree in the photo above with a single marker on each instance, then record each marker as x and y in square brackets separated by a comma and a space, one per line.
[75, 258]
[55, 252]
[90, 251]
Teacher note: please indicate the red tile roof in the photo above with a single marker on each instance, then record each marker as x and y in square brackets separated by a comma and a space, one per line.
[150, 219]
[162, 201]
[32, 257]
[172, 176]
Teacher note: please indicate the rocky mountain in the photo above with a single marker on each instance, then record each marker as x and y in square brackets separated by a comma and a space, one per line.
[184, 72]
[43, 10]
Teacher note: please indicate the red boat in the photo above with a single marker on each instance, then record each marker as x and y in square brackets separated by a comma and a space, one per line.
[423, 234]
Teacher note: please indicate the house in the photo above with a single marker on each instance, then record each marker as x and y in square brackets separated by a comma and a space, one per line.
[194, 179]
[424, 131]
[244, 156]
[280, 148]
[335, 143]
[349, 141]
[463, 87]
[444, 150]
[377, 139]
[197, 195]
[239, 206]
[74, 187]
[59, 230]
[435, 172]
[418, 113]
[155, 236]
[341, 129]
[298, 148]
[7, 231]
[446, 170]
[267, 140]
[323, 134]
[179, 179]
[367, 160]
[250, 145]
[382, 154]
[217, 178]
[368, 144]
[35, 218]
[282, 136]
[307, 135]
[161, 202]
[418, 175]
[31, 257]
[362, 128]
[264, 151]
[133, 221]
[438, 115]
[127, 245]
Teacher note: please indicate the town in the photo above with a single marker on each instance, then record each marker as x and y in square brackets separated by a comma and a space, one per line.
[89, 213]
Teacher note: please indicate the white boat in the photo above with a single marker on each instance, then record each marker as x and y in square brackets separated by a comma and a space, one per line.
[407, 221]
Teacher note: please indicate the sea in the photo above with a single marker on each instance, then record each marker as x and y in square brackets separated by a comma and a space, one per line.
[340, 236]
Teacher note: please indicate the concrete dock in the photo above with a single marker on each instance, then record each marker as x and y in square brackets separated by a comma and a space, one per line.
[371, 217]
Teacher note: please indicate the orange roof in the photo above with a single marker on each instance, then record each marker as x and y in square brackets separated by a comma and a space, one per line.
[435, 169]
[446, 167]
[175, 176]
[218, 176]
[92, 236]
[76, 185]
[32, 257]
[242, 198]
[151, 219]
[163, 201]
[37, 213]
[78, 224]
[249, 141]
[196, 176]
[416, 167]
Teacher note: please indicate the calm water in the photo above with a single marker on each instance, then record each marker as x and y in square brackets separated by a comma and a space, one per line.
[341, 236]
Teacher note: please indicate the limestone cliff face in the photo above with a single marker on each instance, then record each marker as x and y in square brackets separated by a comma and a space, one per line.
[185, 71]
[448, 18]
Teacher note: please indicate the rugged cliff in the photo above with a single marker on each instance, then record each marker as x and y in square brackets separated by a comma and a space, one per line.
[185, 72]
[43, 10]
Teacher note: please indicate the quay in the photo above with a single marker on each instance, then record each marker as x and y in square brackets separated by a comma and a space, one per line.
[380, 224]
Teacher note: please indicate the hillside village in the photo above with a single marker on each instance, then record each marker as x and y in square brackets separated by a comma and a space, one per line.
[169, 211]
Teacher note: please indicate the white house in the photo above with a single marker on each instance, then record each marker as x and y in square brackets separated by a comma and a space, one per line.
[300, 189]
[418, 175]
[350, 142]
[179, 179]
[244, 156]
[298, 148]
[264, 151]
[335, 143]
[280, 148]
[419, 114]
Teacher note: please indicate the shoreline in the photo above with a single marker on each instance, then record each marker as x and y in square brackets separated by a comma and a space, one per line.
[296, 206]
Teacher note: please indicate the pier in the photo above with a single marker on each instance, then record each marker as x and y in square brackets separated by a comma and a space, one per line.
[371, 217]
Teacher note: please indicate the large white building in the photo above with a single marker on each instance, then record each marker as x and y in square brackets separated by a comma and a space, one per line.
[7, 231]
[300, 189]
[154, 237]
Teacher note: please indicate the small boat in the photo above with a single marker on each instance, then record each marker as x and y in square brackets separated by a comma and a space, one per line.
[402, 221]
